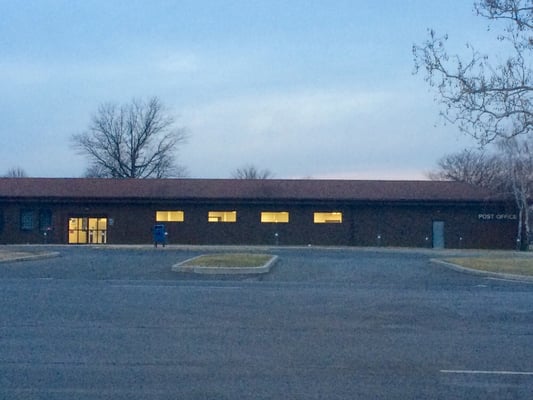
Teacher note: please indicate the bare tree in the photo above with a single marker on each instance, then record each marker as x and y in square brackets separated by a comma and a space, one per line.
[488, 100]
[136, 140]
[473, 166]
[251, 172]
[508, 173]
[15, 172]
[519, 156]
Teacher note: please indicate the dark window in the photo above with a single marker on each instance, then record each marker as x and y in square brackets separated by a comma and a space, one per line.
[26, 220]
[1, 221]
[45, 220]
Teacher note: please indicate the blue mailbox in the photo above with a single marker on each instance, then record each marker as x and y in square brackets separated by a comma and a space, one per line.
[160, 235]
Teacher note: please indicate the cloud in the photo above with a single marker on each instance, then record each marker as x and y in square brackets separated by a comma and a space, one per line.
[327, 132]
[175, 62]
[374, 174]
[306, 133]
[39, 73]
[292, 131]
[281, 113]
[21, 73]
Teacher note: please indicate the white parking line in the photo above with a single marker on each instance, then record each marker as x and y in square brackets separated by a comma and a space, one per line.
[189, 287]
[525, 282]
[477, 372]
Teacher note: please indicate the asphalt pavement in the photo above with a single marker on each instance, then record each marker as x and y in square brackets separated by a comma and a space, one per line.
[117, 323]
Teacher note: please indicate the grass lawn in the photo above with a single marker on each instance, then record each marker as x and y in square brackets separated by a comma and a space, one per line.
[508, 265]
[237, 260]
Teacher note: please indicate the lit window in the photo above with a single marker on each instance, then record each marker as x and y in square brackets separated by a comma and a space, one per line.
[222, 216]
[328, 218]
[274, 217]
[169, 216]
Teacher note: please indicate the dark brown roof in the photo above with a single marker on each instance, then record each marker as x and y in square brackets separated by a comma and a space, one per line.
[229, 189]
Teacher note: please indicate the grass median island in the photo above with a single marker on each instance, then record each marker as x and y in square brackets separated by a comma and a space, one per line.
[227, 263]
[230, 260]
[507, 265]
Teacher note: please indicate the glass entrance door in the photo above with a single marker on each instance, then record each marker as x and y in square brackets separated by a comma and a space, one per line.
[87, 230]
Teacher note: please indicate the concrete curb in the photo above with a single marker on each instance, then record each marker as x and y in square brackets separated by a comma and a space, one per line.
[471, 271]
[30, 257]
[198, 269]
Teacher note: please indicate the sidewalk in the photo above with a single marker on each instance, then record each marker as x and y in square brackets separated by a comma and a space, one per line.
[8, 255]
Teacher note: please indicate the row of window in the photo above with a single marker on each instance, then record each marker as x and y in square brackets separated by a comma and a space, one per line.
[273, 217]
[28, 221]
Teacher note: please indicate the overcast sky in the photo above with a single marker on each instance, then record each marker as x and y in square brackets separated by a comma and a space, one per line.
[304, 88]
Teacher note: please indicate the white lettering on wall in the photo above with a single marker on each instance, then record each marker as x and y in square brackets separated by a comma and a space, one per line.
[497, 217]
[511, 217]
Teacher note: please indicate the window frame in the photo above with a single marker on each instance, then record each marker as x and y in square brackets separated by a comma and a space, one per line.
[179, 217]
[275, 220]
[45, 220]
[27, 220]
[224, 217]
[324, 215]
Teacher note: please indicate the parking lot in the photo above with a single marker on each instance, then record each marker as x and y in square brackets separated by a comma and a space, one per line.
[117, 323]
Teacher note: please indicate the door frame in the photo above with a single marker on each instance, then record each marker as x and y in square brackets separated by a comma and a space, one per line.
[438, 234]
[87, 233]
